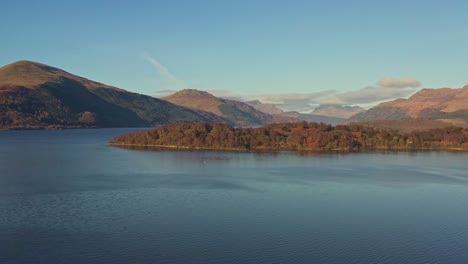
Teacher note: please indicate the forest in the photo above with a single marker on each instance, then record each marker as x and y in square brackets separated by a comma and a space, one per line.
[294, 136]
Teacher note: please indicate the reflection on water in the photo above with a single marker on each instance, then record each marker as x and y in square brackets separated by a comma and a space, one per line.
[68, 197]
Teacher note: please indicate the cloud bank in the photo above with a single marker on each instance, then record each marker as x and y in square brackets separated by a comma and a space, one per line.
[385, 89]
[301, 102]
[398, 83]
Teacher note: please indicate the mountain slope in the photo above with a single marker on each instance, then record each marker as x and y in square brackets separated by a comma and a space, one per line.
[239, 113]
[293, 116]
[265, 108]
[35, 95]
[437, 104]
[314, 118]
[341, 111]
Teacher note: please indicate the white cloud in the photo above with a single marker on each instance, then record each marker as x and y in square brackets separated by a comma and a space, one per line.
[386, 89]
[399, 83]
[301, 102]
[373, 94]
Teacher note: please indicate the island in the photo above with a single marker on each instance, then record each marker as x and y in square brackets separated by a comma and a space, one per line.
[293, 136]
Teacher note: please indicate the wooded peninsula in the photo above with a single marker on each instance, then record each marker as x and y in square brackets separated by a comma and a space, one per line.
[293, 136]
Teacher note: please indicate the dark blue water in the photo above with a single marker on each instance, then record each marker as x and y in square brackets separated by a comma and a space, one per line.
[68, 197]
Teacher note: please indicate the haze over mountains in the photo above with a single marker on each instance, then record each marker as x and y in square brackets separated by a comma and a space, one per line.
[35, 95]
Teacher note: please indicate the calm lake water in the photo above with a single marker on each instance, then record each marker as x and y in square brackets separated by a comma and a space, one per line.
[68, 197]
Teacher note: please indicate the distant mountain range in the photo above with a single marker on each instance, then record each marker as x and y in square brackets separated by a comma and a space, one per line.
[444, 104]
[341, 111]
[34, 95]
[312, 117]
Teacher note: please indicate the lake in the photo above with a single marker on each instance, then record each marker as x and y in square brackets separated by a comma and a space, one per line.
[68, 197]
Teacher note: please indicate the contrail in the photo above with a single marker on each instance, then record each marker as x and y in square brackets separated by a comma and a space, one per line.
[164, 72]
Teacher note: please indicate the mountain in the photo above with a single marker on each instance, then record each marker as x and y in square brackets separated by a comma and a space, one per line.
[444, 104]
[35, 95]
[341, 111]
[314, 118]
[239, 113]
[265, 108]
[293, 116]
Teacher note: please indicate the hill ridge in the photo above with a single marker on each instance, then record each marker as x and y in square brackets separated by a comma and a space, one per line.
[36, 95]
[426, 104]
[239, 113]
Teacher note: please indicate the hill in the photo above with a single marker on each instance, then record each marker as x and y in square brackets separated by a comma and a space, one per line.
[293, 136]
[238, 113]
[35, 95]
[444, 104]
[314, 118]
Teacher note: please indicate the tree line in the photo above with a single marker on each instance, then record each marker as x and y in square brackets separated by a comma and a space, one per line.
[294, 136]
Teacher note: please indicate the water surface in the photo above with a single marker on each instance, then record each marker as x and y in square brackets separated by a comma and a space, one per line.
[68, 197]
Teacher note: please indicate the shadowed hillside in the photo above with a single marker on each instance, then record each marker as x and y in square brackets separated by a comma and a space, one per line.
[35, 95]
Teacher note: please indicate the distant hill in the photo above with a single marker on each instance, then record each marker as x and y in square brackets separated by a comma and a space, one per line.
[341, 111]
[445, 104]
[239, 113]
[314, 118]
[265, 108]
[292, 116]
[35, 95]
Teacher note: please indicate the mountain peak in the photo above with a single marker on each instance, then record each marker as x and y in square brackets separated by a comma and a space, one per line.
[27, 63]
[28, 73]
[192, 93]
[32, 74]
[29, 67]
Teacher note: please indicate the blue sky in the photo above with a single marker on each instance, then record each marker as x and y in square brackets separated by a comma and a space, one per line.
[279, 51]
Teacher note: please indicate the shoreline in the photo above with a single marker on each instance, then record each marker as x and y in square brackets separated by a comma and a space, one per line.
[363, 150]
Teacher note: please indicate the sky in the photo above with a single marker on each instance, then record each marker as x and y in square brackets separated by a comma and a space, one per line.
[296, 54]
